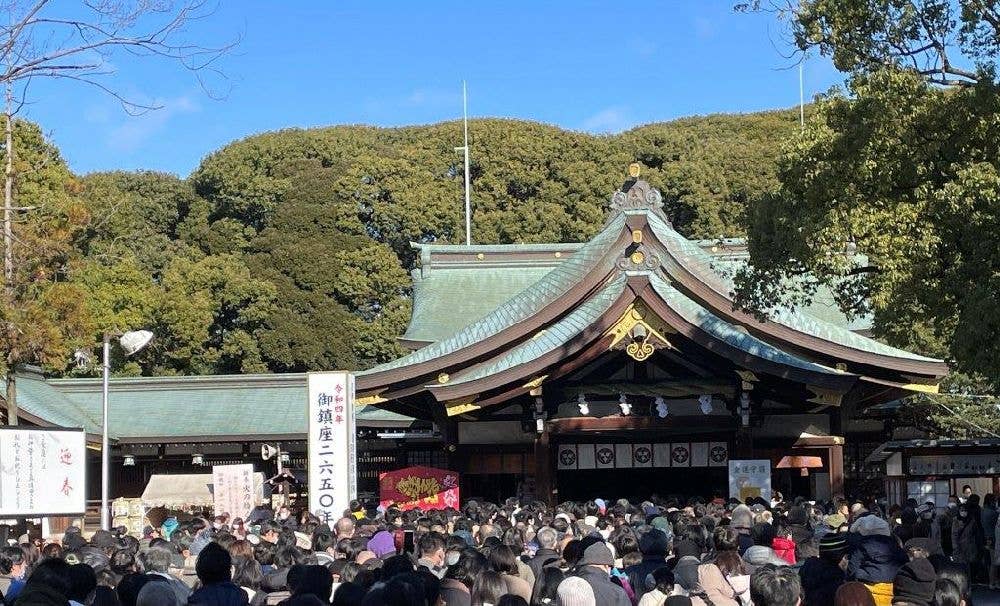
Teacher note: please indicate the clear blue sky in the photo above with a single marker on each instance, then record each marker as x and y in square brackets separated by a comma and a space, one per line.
[593, 66]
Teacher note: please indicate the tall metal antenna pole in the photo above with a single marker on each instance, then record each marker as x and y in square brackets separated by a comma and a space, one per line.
[802, 106]
[465, 148]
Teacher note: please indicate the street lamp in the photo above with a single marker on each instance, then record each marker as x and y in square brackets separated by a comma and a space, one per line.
[131, 343]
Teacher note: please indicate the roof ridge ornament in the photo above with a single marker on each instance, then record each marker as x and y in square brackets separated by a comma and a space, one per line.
[636, 194]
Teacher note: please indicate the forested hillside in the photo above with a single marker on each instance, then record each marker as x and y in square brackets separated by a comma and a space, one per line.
[289, 251]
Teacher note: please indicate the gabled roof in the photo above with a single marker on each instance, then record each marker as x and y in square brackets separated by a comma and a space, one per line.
[207, 406]
[457, 284]
[579, 300]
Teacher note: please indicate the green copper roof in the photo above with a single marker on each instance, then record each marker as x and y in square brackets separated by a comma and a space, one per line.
[524, 304]
[457, 297]
[694, 259]
[450, 296]
[38, 398]
[728, 332]
[143, 407]
[555, 336]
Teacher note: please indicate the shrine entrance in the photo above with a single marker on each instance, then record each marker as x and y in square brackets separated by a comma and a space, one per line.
[638, 485]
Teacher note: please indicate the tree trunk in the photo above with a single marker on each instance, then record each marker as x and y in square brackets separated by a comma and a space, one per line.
[11, 398]
[8, 195]
[8, 240]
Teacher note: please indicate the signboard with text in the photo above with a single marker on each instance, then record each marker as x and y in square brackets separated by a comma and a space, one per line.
[236, 490]
[42, 472]
[419, 488]
[332, 446]
[750, 478]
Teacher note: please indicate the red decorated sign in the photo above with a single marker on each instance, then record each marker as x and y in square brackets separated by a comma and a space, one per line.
[419, 488]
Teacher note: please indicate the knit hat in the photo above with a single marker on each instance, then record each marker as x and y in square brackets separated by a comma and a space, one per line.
[833, 543]
[871, 525]
[382, 544]
[597, 554]
[742, 517]
[574, 591]
[914, 583]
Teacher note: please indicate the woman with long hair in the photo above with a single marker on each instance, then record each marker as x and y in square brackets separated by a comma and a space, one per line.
[488, 588]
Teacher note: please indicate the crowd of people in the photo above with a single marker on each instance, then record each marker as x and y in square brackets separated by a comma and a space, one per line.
[597, 553]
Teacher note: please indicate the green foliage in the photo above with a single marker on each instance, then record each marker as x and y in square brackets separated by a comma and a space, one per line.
[959, 412]
[900, 173]
[290, 250]
[42, 316]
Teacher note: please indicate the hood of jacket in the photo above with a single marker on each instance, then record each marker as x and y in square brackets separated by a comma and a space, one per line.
[758, 555]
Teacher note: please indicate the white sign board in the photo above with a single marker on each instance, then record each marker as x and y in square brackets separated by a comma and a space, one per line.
[42, 472]
[332, 450]
[750, 478]
[236, 490]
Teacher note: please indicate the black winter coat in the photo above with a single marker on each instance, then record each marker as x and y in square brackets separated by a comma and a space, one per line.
[606, 592]
[543, 558]
[820, 580]
[37, 595]
[874, 558]
[637, 573]
[219, 594]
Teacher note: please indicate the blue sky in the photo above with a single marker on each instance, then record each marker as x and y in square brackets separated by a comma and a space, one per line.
[593, 66]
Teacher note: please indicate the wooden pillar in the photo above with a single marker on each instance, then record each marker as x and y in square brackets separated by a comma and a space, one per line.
[835, 453]
[545, 485]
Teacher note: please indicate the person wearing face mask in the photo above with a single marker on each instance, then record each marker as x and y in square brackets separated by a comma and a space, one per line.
[967, 539]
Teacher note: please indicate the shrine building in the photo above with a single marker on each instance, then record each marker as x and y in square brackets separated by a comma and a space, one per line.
[621, 367]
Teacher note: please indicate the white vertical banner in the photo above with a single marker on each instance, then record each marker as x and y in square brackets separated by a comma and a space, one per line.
[718, 454]
[699, 454]
[680, 454]
[623, 455]
[332, 445]
[642, 455]
[585, 456]
[661, 455]
[605, 455]
[236, 490]
[567, 456]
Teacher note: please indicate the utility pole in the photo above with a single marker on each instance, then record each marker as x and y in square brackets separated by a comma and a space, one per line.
[802, 102]
[465, 149]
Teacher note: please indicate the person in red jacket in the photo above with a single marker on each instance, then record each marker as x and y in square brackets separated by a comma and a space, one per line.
[784, 546]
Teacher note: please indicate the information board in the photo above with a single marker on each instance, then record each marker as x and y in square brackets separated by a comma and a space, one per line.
[236, 490]
[43, 472]
[750, 478]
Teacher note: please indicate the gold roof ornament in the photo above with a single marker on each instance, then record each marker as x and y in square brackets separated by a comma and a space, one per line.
[634, 169]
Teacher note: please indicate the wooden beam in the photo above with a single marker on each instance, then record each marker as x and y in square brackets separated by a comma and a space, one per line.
[631, 422]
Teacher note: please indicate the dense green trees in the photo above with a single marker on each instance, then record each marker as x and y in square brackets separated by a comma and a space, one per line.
[902, 169]
[290, 250]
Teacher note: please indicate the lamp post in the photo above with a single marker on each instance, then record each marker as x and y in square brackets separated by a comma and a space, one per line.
[131, 343]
